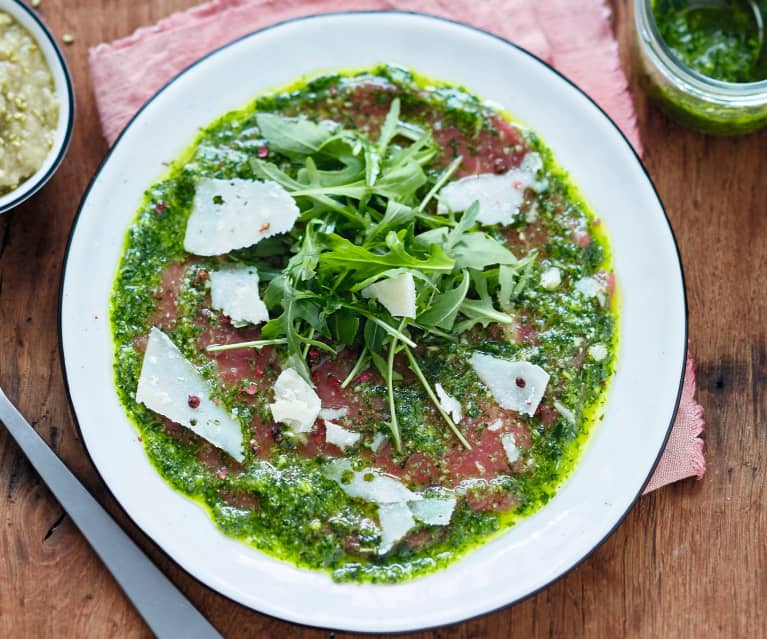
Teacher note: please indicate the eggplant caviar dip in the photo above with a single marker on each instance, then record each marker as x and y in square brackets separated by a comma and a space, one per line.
[367, 322]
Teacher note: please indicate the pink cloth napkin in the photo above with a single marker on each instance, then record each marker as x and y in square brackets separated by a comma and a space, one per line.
[575, 37]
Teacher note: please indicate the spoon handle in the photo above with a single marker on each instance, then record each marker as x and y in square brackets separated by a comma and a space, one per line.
[165, 610]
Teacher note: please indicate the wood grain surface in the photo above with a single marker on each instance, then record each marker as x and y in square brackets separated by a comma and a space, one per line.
[690, 560]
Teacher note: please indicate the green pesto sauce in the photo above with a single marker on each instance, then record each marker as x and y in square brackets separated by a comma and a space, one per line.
[284, 505]
[723, 41]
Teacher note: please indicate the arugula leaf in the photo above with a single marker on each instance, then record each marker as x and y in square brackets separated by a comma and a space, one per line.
[421, 151]
[478, 250]
[443, 178]
[269, 171]
[507, 277]
[464, 224]
[374, 336]
[303, 264]
[387, 328]
[298, 307]
[275, 292]
[344, 326]
[402, 182]
[311, 175]
[445, 306]
[510, 286]
[343, 254]
[389, 128]
[291, 136]
[374, 153]
[474, 249]
[446, 237]
[481, 312]
[308, 310]
[380, 364]
[396, 215]
[372, 164]
[436, 236]
[526, 274]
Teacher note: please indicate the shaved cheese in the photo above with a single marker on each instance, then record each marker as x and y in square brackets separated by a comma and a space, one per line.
[295, 402]
[339, 436]
[598, 352]
[449, 403]
[499, 196]
[235, 292]
[509, 443]
[397, 294]
[334, 413]
[396, 521]
[377, 442]
[592, 287]
[515, 385]
[551, 278]
[397, 504]
[564, 411]
[368, 484]
[496, 425]
[433, 511]
[172, 386]
[232, 214]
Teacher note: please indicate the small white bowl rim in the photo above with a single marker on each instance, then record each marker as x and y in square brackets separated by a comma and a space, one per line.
[65, 92]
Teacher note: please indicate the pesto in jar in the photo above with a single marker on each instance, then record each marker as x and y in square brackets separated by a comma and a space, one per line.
[720, 39]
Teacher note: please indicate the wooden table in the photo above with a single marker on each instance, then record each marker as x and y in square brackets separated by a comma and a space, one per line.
[689, 561]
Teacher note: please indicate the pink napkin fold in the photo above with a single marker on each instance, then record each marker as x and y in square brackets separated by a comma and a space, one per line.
[574, 37]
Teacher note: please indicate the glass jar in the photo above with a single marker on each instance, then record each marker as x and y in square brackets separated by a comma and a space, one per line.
[691, 98]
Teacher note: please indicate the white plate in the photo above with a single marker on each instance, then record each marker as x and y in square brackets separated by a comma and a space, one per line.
[623, 449]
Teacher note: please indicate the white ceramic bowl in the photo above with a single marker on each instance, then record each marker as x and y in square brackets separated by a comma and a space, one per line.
[620, 455]
[62, 81]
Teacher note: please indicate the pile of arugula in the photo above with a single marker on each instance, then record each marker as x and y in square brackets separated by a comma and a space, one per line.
[364, 218]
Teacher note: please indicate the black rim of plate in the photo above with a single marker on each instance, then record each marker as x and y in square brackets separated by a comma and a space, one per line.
[546, 66]
[27, 193]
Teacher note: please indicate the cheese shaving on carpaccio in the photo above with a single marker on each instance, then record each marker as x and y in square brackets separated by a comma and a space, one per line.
[295, 403]
[592, 287]
[172, 386]
[396, 521]
[334, 413]
[499, 196]
[340, 436]
[368, 484]
[509, 443]
[233, 214]
[433, 511]
[449, 403]
[396, 294]
[515, 385]
[235, 292]
[551, 278]
[398, 506]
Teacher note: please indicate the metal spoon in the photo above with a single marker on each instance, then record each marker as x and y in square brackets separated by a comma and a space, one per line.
[162, 606]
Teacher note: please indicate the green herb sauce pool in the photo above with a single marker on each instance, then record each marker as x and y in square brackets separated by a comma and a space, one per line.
[721, 40]
[281, 499]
